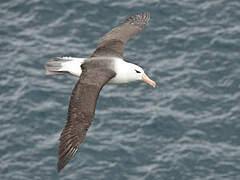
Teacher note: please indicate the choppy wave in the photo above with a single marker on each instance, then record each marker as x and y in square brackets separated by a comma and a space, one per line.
[186, 128]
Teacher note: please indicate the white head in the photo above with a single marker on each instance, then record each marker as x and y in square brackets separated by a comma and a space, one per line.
[128, 72]
[137, 73]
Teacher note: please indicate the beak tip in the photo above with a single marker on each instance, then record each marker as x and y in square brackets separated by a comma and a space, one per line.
[154, 85]
[149, 81]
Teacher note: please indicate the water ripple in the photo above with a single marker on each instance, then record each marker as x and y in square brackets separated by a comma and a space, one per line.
[186, 128]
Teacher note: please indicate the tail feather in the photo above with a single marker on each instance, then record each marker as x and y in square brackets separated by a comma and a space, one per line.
[54, 72]
[62, 65]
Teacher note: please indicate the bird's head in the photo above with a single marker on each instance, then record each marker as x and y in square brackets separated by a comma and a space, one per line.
[137, 73]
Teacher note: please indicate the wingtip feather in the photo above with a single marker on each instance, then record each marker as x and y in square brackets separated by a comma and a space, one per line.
[64, 159]
[140, 19]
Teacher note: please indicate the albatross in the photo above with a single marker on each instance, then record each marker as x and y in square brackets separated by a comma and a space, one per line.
[105, 66]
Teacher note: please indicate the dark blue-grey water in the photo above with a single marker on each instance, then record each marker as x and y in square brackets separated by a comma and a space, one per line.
[188, 128]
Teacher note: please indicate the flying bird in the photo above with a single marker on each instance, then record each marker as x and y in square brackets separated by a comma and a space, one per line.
[105, 66]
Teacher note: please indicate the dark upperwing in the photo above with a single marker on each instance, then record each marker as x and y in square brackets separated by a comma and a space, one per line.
[113, 43]
[81, 111]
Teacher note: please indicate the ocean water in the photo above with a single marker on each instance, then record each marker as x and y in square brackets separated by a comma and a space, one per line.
[187, 128]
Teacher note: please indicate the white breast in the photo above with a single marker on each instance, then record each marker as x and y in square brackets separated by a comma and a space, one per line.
[123, 72]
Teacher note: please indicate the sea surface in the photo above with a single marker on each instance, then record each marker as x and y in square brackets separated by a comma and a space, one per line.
[187, 128]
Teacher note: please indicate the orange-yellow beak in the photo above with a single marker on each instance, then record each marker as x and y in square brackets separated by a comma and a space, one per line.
[148, 80]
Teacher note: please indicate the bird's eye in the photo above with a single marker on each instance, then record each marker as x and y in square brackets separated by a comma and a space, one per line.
[137, 71]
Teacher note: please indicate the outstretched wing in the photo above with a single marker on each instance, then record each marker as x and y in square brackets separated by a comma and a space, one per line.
[112, 43]
[81, 111]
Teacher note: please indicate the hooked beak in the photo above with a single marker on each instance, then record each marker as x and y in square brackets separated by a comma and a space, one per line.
[148, 80]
